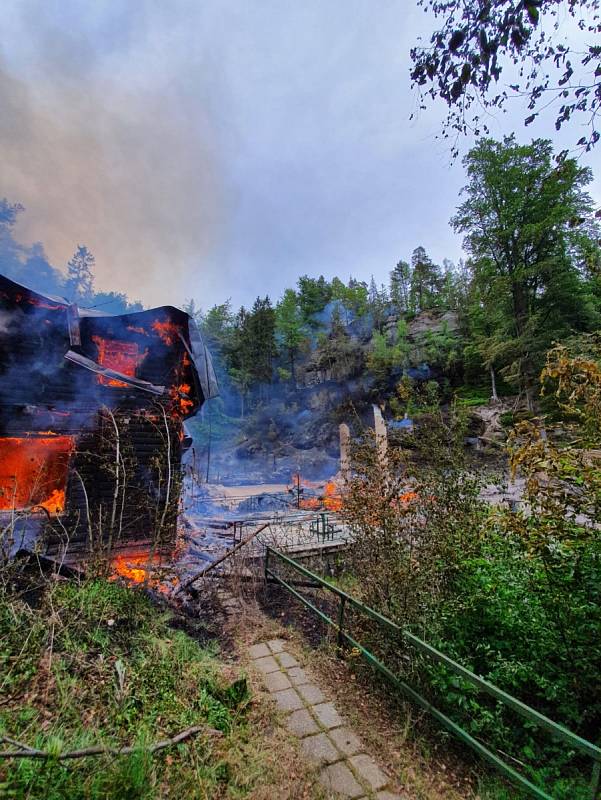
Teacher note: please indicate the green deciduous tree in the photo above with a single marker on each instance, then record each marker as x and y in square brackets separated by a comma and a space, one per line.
[354, 297]
[313, 296]
[480, 39]
[521, 218]
[290, 327]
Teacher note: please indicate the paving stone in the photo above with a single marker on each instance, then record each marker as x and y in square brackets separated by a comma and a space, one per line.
[301, 723]
[297, 675]
[327, 715]
[319, 748]
[259, 650]
[369, 771]
[346, 741]
[288, 700]
[267, 665]
[311, 693]
[286, 660]
[276, 681]
[276, 645]
[339, 778]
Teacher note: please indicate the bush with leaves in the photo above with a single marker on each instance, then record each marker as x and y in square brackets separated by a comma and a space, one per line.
[514, 595]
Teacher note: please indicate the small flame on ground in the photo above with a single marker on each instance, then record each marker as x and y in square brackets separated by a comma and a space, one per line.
[139, 568]
[330, 499]
[134, 567]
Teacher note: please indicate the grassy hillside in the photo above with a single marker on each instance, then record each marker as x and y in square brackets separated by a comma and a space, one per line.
[95, 664]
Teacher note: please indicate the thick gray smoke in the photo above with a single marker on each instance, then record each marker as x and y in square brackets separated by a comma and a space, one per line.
[105, 140]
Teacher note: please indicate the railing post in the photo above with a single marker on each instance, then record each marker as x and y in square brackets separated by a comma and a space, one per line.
[341, 622]
[595, 794]
[266, 561]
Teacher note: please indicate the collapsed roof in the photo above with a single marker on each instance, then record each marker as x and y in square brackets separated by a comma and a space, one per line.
[53, 352]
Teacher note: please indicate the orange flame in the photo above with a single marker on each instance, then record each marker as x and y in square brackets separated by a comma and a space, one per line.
[137, 329]
[33, 472]
[123, 357]
[310, 504]
[138, 567]
[332, 500]
[405, 499]
[168, 331]
[134, 567]
[180, 398]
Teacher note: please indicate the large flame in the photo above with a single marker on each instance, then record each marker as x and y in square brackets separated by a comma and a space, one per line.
[181, 400]
[33, 472]
[123, 357]
[168, 331]
[331, 498]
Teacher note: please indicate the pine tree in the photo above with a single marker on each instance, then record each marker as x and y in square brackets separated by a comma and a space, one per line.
[80, 276]
[260, 329]
[400, 284]
[240, 357]
[378, 302]
[426, 282]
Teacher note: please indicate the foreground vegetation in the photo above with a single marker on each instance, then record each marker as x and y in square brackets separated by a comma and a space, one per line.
[94, 663]
[514, 594]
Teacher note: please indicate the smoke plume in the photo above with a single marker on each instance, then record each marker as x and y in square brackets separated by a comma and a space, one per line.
[105, 140]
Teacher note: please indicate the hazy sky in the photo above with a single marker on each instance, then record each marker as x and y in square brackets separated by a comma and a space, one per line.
[222, 148]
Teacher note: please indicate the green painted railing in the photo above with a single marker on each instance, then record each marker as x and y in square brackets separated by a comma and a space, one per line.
[533, 716]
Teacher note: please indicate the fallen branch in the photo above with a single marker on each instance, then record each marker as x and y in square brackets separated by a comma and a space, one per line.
[25, 751]
[187, 583]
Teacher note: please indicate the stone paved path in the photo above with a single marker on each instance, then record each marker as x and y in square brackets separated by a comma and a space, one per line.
[345, 767]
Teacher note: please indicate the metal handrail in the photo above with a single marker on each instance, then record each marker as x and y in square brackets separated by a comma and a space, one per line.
[557, 730]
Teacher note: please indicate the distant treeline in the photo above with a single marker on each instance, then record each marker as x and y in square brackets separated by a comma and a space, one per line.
[29, 265]
[531, 277]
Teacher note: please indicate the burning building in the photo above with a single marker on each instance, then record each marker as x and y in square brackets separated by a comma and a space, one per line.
[92, 411]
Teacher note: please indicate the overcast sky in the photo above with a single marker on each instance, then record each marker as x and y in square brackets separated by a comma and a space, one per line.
[222, 148]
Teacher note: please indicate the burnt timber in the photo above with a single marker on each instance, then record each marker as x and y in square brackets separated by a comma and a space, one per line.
[92, 412]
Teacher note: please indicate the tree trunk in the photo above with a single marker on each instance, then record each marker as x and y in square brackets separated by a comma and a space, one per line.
[520, 311]
[493, 384]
